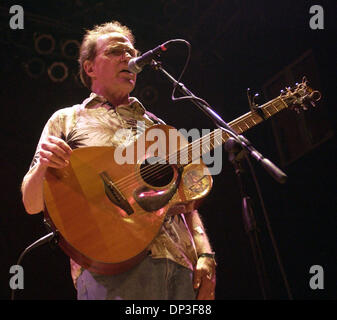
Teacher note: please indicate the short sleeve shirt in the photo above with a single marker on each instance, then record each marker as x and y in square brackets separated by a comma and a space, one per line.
[96, 123]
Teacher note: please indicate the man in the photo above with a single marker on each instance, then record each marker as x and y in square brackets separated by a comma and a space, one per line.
[180, 264]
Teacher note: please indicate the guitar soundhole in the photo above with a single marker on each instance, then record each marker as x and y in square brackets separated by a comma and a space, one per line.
[157, 174]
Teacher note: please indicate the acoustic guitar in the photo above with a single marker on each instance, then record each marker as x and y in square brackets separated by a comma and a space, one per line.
[107, 214]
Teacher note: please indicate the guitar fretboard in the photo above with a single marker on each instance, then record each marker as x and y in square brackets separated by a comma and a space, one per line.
[208, 142]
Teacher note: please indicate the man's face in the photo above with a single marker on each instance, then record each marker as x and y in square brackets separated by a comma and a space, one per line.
[110, 75]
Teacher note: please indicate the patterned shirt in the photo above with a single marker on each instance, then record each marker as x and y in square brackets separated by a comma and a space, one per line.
[94, 123]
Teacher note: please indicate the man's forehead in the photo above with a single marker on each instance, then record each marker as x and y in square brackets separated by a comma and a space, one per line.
[111, 38]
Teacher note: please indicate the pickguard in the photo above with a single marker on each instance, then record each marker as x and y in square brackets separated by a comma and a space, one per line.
[153, 198]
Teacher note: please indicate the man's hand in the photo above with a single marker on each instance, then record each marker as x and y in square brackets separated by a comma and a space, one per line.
[205, 279]
[54, 153]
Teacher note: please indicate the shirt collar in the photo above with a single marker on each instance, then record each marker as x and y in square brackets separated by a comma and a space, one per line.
[95, 100]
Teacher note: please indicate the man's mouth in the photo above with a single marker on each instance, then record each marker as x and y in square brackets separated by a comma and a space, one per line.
[127, 71]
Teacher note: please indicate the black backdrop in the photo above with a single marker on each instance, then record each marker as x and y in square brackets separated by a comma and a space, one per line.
[235, 45]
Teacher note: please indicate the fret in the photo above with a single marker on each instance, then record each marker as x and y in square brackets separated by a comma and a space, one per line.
[253, 123]
[272, 110]
[239, 129]
[274, 107]
[280, 104]
[217, 137]
[245, 123]
[224, 136]
[283, 104]
[265, 109]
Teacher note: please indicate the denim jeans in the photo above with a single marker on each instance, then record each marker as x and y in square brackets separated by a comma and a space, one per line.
[152, 279]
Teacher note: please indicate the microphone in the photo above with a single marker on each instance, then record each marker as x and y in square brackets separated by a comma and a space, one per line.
[136, 65]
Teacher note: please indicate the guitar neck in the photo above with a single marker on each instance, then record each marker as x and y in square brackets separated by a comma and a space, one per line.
[253, 118]
[210, 141]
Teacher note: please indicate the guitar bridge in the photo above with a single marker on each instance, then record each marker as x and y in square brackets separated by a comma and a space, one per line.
[114, 195]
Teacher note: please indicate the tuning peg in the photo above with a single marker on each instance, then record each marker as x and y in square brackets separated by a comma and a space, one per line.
[310, 103]
[304, 80]
[315, 95]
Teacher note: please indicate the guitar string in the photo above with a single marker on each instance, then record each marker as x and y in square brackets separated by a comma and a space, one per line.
[156, 168]
[150, 173]
[153, 170]
[183, 150]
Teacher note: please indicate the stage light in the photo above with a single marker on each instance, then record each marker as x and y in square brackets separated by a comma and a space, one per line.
[44, 44]
[70, 49]
[58, 72]
[35, 67]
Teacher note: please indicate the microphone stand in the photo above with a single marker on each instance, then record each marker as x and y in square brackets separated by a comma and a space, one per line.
[236, 156]
[273, 170]
[232, 146]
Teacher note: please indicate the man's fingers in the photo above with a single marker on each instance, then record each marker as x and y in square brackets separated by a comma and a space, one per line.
[50, 159]
[206, 290]
[57, 147]
[61, 144]
[197, 279]
[55, 150]
[204, 280]
[50, 163]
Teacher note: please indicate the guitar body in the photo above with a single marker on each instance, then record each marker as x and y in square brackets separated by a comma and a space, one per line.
[107, 212]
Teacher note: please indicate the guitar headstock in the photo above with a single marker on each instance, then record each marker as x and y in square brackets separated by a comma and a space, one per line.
[300, 97]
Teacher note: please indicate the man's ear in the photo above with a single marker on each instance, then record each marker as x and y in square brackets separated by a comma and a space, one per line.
[89, 68]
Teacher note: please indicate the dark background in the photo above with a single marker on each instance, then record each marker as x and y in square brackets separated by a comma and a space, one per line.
[263, 45]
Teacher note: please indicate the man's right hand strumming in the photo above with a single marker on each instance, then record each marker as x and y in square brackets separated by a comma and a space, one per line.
[55, 153]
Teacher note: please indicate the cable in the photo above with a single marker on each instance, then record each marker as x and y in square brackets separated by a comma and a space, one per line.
[36, 244]
[182, 72]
